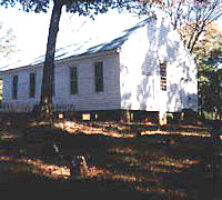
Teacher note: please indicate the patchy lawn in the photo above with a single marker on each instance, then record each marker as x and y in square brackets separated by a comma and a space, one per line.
[128, 130]
[172, 162]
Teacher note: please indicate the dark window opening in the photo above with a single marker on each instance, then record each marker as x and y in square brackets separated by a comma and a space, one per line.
[99, 76]
[73, 80]
[32, 83]
[15, 87]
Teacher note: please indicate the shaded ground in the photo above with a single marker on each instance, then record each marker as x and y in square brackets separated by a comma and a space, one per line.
[168, 166]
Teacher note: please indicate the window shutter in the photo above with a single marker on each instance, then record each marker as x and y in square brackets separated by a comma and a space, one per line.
[163, 76]
[73, 80]
[32, 83]
[15, 87]
[99, 76]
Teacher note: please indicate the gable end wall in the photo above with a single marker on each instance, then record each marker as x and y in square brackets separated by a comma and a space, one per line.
[140, 61]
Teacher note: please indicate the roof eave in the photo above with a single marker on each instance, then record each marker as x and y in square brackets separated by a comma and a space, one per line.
[69, 59]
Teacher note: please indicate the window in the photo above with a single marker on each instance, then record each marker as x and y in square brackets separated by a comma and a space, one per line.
[163, 78]
[99, 76]
[15, 87]
[73, 80]
[32, 85]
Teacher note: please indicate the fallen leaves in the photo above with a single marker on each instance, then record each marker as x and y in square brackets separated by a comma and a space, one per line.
[127, 150]
[190, 134]
[39, 167]
[6, 136]
[176, 163]
[76, 128]
[6, 158]
[164, 191]
[115, 129]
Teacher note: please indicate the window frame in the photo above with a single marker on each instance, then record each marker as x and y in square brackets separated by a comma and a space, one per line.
[15, 79]
[32, 85]
[73, 80]
[99, 76]
[163, 76]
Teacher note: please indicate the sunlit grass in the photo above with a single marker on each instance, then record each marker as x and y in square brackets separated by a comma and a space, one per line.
[41, 168]
[160, 163]
[6, 135]
[147, 181]
[115, 129]
[75, 128]
[182, 133]
[37, 166]
[143, 167]
[178, 164]
[123, 150]
[6, 158]
[176, 193]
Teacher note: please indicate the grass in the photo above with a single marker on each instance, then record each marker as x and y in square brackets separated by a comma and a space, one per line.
[164, 166]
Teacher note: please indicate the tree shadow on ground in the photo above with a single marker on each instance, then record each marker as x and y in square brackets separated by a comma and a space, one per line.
[158, 167]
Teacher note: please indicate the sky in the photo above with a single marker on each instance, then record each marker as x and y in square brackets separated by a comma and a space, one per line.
[31, 29]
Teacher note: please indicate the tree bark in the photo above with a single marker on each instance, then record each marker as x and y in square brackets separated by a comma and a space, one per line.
[195, 37]
[195, 41]
[177, 15]
[46, 105]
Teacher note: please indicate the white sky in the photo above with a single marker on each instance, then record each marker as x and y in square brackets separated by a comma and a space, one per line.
[31, 29]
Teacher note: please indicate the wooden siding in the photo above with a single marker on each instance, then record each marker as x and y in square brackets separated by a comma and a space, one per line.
[86, 98]
[140, 70]
[131, 76]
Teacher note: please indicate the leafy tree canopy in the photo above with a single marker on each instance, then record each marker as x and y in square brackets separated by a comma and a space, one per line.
[209, 46]
[191, 17]
[208, 52]
[82, 7]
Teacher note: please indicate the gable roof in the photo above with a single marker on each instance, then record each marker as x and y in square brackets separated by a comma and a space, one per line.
[110, 39]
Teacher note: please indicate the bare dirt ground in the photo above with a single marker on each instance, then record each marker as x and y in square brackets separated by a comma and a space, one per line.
[172, 162]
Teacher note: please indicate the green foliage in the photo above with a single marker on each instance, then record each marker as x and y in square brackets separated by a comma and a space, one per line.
[82, 7]
[27, 5]
[210, 89]
[208, 52]
[191, 17]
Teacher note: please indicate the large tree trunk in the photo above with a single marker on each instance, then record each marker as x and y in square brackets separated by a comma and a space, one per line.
[45, 109]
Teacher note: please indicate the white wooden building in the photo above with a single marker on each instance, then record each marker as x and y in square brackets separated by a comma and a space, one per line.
[142, 68]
